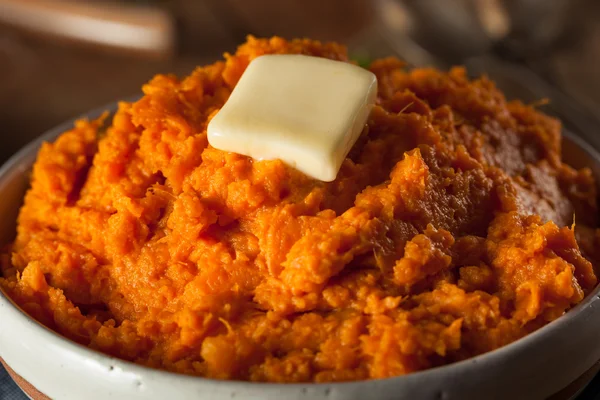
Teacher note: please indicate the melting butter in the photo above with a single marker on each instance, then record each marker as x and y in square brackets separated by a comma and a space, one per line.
[306, 111]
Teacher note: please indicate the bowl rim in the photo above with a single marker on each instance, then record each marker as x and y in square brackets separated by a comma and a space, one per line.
[7, 305]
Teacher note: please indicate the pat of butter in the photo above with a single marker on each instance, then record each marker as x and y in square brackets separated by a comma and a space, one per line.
[306, 111]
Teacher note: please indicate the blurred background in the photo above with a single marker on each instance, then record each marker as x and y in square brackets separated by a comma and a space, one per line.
[60, 58]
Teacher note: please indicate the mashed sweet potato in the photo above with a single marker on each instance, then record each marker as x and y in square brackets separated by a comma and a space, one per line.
[448, 233]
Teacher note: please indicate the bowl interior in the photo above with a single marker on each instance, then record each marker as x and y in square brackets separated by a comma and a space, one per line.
[14, 180]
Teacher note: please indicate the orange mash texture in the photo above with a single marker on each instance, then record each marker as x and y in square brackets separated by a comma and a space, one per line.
[448, 233]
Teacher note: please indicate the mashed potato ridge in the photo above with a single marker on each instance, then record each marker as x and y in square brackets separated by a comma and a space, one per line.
[449, 232]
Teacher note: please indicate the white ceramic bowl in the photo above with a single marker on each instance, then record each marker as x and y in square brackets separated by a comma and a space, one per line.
[534, 367]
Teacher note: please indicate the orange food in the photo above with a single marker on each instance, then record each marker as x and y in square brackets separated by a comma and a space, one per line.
[448, 233]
